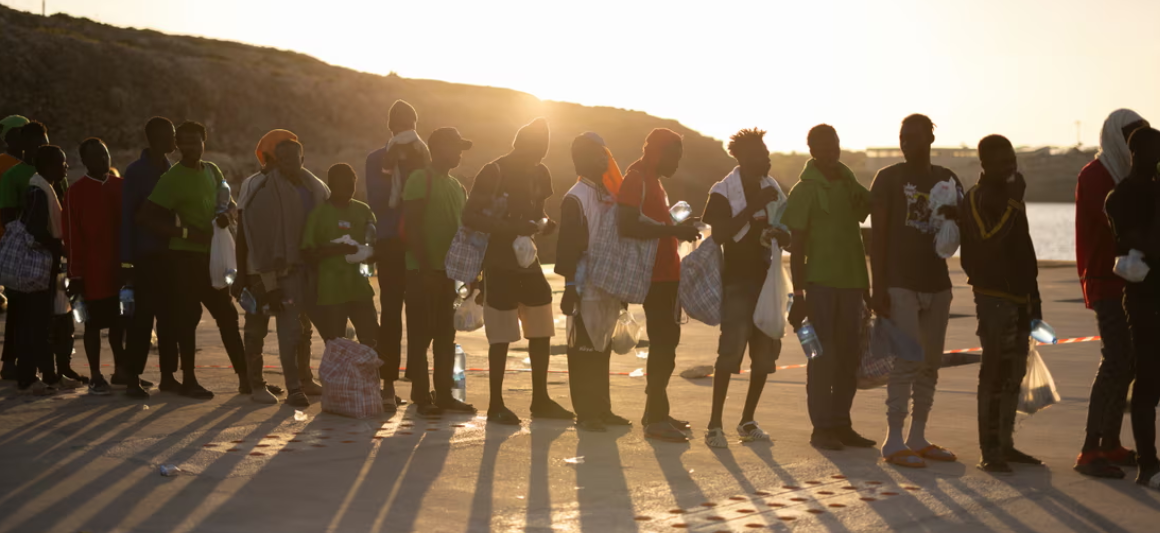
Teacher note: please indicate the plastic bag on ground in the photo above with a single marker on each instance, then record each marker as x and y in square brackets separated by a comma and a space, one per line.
[469, 315]
[772, 305]
[222, 258]
[1038, 389]
[946, 241]
[525, 249]
[350, 375]
[701, 290]
[1132, 266]
[627, 333]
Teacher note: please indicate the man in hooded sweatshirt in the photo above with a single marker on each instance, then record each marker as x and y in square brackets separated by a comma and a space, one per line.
[506, 201]
[387, 170]
[1102, 454]
[828, 265]
[642, 196]
[274, 218]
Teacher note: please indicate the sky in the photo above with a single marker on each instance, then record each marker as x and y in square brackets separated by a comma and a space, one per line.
[1028, 69]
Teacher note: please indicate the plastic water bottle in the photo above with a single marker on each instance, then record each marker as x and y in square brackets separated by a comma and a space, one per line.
[1043, 332]
[248, 302]
[127, 301]
[459, 375]
[79, 311]
[223, 197]
[231, 276]
[680, 211]
[809, 339]
[372, 235]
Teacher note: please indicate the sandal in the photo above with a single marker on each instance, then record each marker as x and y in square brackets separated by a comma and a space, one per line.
[905, 457]
[751, 432]
[935, 452]
[715, 438]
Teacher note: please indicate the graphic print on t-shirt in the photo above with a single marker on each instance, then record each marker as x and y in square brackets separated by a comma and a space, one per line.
[918, 209]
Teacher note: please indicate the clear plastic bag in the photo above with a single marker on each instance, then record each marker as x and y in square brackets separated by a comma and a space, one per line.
[1132, 266]
[627, 333]
[1038, 389]
[469, 315]
[772, 305]
[946, 242]
[525, 249]
[223, 263]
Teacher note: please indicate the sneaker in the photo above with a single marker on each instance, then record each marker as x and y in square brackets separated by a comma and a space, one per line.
[428, 410]
[72, 374]
[502, 416]
[751, 432]
[263, 396]
[851, 438]
[715, 438]
[67, 383]
[549, 409]
[296, 398]
[136, 392]
[456, 406]
[1095, 464]
[825, 439]
[1149, 477]
[145, 384]
[611, 419]
[36, 388]
[1122, 457]
[594, 425]
[1011, 455]
[311, 388]
[169, 384]
[196, 391]
[995, 467]
[389, 403]
[665, 431]
[99, 387]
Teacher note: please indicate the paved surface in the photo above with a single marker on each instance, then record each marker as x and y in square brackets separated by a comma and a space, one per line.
[80, 463]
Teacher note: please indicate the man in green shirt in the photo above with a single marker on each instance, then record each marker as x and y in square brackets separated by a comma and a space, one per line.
[14, 183]
[828, 264]
[433, 204]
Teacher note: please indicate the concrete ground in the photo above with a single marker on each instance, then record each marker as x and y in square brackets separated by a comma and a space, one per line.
[75, 462]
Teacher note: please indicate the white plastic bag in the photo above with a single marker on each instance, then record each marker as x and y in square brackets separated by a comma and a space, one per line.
[1132, 266]
[223, 264]
[627, 333]
[770, 314]
[1038, 389]
[469, 315]
[525, 249]
[946, 242]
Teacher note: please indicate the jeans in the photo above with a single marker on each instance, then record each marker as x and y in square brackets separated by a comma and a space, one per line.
[254, 337]
[392, 272]
[332, 321]
[661, 309]
[430, 322]
[1143, 312]
[151, 282]
[588, 375]
[189, 289]
[33, 351]
[1117, 369]
[831, 379]
[923, 316]
[293, 336]
[1004, 328]
[739, 331]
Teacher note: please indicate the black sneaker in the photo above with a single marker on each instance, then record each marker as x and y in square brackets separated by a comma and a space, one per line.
[851, 438]
[99, 387]
[196, 391]
[593, 424]
[297, 399]
[995, 467]
[428, 410]
[169, 384]
[1011, 455]
[456, 406]
[824, 439]
[611, 419]
[503, 416]
[136, 392]
[549, 409]
[665, 431]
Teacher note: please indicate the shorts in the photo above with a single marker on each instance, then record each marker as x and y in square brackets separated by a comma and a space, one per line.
[512, 299]
[738, 330]
[103, 313]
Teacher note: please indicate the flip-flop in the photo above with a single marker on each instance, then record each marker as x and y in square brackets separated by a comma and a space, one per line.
[935, 452]
[904, 458]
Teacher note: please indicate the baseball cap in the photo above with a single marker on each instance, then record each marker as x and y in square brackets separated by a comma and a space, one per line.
[448, 137]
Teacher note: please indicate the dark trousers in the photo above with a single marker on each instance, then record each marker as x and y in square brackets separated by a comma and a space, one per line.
[588, 375]
[1143, 310]
[1110, 389]
[152, 281]
[332, 321]
[430, 322]
[832, 378]
[1004, 327]
[661, 311]
[11, 327]
[256, 329]
[391, 264]
[191, 288]
[33, 350]
[61, 341]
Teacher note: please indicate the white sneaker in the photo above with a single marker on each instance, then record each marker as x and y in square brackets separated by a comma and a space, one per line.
[753, 434]
[715, 438]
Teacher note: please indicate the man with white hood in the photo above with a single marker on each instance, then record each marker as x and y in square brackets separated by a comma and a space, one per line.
[1103, 292]
[737, 212]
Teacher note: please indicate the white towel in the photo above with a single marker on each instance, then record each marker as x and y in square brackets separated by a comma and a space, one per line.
[731, 189]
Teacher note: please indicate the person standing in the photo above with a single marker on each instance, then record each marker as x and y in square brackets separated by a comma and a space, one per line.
[998, 257]
[828, 265]
[507, 198]
[912, 286]
[1102, 454]
[92, 223]
[737, 212]
[643, 196]
[433, 203]
[387, 172]
[1131, 208]
[13, 152]
[275, 214]
[593, 312]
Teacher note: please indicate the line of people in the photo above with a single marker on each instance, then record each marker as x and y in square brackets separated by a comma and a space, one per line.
[299, 241]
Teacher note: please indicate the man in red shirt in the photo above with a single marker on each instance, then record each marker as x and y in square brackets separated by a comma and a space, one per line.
[1103, 292]
[642, 194]
[92, 224]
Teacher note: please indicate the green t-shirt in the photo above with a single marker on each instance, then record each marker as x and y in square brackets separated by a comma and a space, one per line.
[14, 185]
[441, 216]
[835, 256]
[339, 282]
[192, 194]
